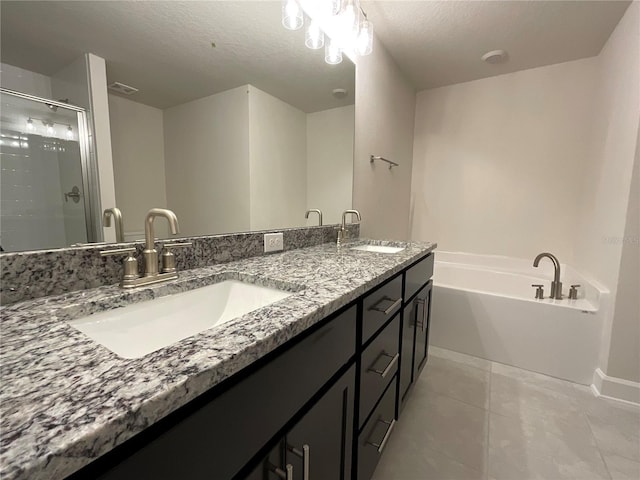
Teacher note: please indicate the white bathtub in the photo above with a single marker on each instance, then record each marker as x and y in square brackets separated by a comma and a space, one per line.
[484, 305]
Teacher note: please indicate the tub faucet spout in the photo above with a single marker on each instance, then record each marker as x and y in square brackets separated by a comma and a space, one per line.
[556, 285]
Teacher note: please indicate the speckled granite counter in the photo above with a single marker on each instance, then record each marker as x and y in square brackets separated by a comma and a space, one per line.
[65, 400]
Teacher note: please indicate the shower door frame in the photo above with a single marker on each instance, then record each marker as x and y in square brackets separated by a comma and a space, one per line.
[88, 167]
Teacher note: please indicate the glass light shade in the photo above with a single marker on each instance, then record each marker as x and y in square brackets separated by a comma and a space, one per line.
[291, 15]
[69, 132]
[314, 37]
[332, 53]
[50, 130]
[349, 18]
[30, 125]
[364, 44]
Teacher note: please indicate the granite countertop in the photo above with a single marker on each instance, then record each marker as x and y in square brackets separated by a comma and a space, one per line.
[66, 400]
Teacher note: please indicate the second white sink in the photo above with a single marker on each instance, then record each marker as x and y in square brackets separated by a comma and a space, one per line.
[378, 248]
[142, 328]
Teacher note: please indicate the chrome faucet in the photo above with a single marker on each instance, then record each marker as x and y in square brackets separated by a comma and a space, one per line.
[117, 217]
[342, 231]
[556, 285]
[315, 210]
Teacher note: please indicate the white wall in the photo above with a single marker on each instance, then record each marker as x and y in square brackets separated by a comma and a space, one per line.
[101, 133]
[498, 162]
[207, 163]
[624, 356]
[26, 81]
[607, 187]
[137, 144]
[330, 162]
[278, 167]
[384, 121]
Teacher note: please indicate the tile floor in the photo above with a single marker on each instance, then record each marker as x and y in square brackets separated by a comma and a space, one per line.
[470, 418]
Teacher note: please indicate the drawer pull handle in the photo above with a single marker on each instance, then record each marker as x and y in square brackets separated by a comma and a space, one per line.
[380, 446]
[388, 368]
[423, 303]
[286, 474]
[304, 455]
[393, 306]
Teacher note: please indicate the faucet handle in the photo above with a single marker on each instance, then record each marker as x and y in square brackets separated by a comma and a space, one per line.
[573, 292]
[168, 257]
[130, 263]
[539, 290]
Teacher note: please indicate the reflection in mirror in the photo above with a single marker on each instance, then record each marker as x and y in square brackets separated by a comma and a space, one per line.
[231, 121]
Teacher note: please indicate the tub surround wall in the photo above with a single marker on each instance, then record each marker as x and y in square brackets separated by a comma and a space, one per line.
[30, 275]
[118, 398]
[504, 157]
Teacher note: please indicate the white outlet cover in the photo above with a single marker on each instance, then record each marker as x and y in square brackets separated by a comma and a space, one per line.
[273, 242]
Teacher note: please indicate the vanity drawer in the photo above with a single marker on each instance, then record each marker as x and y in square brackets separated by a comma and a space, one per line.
[379, 306]
[374, 435]
[378, 367]
[417, 276]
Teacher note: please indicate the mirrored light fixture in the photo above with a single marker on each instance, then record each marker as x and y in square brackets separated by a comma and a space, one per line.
[314, 37]
[50, 130]
[30, 126]
[332, 53]
[292, 15]
[343, 22]
[69, 132]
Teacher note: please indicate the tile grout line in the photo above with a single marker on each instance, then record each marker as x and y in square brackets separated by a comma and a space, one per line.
[595, 441]
[486, 463]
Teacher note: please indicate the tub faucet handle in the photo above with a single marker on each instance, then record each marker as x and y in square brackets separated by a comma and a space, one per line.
[573, 292]
[539, 290]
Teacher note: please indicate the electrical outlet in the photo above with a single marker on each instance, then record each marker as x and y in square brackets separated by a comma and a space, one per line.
[273, 242]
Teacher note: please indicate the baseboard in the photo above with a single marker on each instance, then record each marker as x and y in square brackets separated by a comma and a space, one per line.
[615, 388]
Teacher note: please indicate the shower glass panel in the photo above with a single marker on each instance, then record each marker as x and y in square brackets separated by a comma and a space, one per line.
[42, 194]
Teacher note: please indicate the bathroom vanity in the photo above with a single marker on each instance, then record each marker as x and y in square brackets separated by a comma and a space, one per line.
[308, 387]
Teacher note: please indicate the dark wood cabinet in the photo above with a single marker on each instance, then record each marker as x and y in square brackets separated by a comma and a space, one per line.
[423, 317]
[319, 446]
[321, 407]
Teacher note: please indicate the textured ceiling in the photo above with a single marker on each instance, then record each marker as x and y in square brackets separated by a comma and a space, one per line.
[164, 48]
[440, 43]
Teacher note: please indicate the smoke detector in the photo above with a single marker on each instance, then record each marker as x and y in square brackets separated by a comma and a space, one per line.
[339, 93]
[122, 88]
[495, 56]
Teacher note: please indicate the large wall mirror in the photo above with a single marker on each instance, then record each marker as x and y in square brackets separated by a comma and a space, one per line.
[232, 122]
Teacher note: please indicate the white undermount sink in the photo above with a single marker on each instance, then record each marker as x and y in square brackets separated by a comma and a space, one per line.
[378, 248]
[136, 330]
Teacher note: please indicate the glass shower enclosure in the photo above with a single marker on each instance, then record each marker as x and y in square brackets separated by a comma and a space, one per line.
[45, 201]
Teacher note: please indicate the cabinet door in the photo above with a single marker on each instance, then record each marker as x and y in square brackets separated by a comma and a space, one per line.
[406, 358]
[423, 301]
[319, 447]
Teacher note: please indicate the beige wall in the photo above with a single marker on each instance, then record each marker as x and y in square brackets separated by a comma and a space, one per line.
[137, 143]
[498, 162]
[607, 186]
[330, 162]
[207, 163]
[384, 119]
[278, 167]
[26, 81]
[624, 356]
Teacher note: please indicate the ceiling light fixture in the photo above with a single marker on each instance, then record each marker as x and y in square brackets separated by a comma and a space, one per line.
[344, 22]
